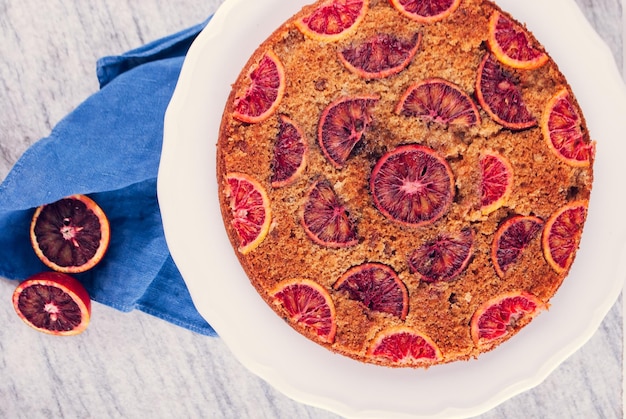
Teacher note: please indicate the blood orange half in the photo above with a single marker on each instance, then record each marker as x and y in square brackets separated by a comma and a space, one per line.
[377, 287]
[412, 185]
[561, 235]
[53, 303]
[439, 101]
[70, 235]
[405, 347]
[380, 56]
[426, 11]
[562, 128]
[496, 181]
[513, 45]
[333, 20]
[504, 315]
[250, 210]
[261, 90]
[307, 305]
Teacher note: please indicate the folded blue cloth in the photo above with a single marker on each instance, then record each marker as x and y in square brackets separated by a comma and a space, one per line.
[109, 148]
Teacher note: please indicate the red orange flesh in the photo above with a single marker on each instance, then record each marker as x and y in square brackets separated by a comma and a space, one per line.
[307, 305]
[250, 210]
[513, 45]
[71, 235]
[262, 91]
[53, 303]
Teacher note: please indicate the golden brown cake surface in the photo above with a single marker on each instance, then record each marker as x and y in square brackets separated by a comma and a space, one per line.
[442, 310]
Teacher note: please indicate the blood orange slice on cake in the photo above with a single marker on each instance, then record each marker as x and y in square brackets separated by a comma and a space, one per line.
[561, 235]
[500, 96]
[333, 20]
[496, 175]
[404, 346]
[444, 257]
[290, 153]
[342, 126]
[562, 129]
[380, 56]
[307, 305]
[250, 210]
[439, 101]
[504, 315]
[377, 287]
[513, 45]
[426, 11]
[325, 218]
[262, 90]
[412, 185]
[511, 239]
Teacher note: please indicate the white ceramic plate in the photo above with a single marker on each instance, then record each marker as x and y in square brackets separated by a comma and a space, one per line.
[187, 190]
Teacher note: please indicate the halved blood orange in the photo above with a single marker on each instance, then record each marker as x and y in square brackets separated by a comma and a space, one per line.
[404, 346]
[499, 94]
[342, 125]
[290, 153]
[381, 56]
[53, 303]
[513, 45]
[561, 235]
[325, 218]
[307, 305]
[377, 287]
[496, 181]
[444, 257]
[333, 20]
[426, 11]
[510, 240]
[562, 128]
[504, 315]
[439, 101]
[70, 235]
[412, 185]
[250, 210]
[261, 90]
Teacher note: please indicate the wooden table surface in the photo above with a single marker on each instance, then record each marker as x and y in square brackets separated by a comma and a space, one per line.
[133, 365]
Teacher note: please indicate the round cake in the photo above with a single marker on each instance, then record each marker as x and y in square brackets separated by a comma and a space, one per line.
[405, 182]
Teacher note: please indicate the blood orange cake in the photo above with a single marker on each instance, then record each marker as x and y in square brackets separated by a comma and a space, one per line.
[405, 182]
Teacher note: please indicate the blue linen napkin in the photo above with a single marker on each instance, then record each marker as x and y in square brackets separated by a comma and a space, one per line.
[109, 147]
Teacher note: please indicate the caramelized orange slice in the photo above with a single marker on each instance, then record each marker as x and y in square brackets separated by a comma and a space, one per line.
[405, 347]
[308, 306]
[333, 20]
[561, 235]
[250, 210]
[513, 45]
[262, 90]
[496, 181]
[377, 287]
[562, 129]
[426, 11]
[504, 315]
